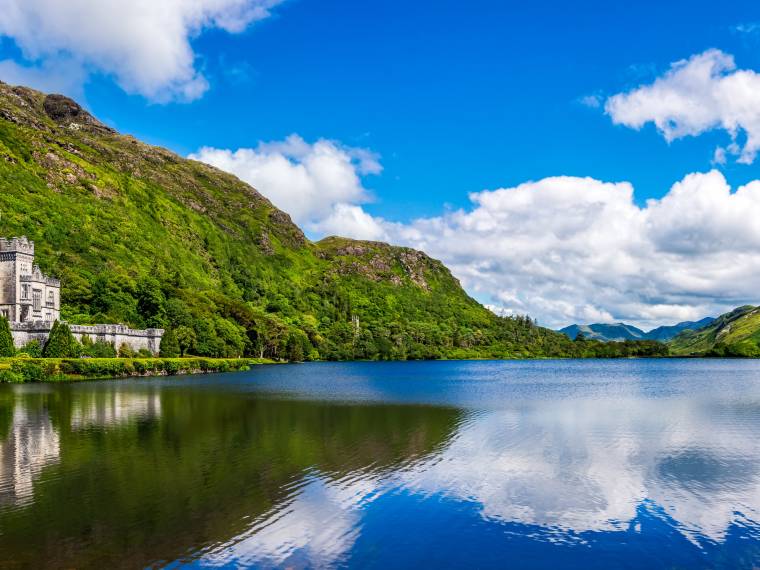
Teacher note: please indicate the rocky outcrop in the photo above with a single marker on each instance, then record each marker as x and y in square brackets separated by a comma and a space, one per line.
[69, 113]
[378, 261]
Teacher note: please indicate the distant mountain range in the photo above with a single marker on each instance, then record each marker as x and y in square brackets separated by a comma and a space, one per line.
[622, 331]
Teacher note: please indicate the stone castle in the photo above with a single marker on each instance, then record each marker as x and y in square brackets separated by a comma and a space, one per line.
[26, 294]
[31, 301]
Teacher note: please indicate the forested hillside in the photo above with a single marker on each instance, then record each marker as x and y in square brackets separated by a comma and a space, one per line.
[733, 334]
[142, 236]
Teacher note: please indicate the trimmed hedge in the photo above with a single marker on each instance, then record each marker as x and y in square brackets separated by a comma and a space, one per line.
[63, 369]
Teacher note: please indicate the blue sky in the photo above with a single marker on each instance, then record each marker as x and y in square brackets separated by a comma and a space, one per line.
[454, 99]
[450, 99]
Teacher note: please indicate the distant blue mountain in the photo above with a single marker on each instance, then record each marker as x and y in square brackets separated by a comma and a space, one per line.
[599, 331]
[622, 331]
[664, 334]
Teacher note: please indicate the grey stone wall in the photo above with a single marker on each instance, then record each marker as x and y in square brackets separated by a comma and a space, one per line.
[24, 333]
[112, 334]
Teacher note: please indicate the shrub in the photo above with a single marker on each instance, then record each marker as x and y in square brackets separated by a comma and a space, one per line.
[6, 339]
[103, 349]
[171, 367]
[125, 351]
[10, 377]
[30, 371]
[32, 349]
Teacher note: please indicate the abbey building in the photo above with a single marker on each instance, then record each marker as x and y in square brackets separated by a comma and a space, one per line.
[26, 294]
[31, 301]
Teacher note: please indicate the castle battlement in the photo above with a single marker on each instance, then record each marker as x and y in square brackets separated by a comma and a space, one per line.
[94, 331]
[17, 245]
[37, 276]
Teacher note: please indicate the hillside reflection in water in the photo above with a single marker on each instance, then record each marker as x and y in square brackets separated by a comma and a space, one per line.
[540, 464]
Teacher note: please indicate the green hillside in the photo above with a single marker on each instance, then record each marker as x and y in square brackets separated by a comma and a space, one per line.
[734, 334]
[142, 236]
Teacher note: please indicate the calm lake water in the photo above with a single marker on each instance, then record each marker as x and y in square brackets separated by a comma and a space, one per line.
[551, 464]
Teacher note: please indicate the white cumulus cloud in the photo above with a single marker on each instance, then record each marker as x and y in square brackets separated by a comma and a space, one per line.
[144, 44]
[567, 249]
[696, 95]
[319, 184]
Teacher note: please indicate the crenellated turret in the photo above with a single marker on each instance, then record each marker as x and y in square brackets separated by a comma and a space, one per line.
[17, 245]
[37, 276]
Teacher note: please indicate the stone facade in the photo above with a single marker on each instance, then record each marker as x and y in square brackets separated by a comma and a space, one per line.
[31, 301]
[116, 335]
[26, 294]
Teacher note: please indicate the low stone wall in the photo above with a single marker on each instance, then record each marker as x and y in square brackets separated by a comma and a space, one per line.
[24, 333]
[112, 334]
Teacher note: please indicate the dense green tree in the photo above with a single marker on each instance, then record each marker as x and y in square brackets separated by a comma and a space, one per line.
[113, 300]
[178, 313]
[151, 302]
[294, 348]
[61, 343]
[186, 339]
[169, 344]
[6, 339]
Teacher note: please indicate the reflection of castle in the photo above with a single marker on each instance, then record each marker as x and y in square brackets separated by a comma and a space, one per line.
[31, 444]
[31, 301]
[115, 408]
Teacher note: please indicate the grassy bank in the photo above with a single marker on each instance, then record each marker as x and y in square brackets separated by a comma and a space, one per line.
[20, 370]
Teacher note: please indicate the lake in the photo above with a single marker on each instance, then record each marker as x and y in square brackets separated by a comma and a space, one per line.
[534, 464]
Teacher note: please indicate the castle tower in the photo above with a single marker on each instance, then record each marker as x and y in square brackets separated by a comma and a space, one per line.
[26, 294]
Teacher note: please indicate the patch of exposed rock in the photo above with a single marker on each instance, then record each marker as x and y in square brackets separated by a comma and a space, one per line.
[265, 244]
[68, 112]
[379, 261]
[60, 171]
[288, 233]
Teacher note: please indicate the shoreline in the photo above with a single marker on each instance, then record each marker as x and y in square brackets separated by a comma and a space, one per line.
[14, 370]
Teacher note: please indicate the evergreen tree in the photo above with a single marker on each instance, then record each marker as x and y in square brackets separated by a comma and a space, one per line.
[6, 339]
[169, 345]
[61, 343]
